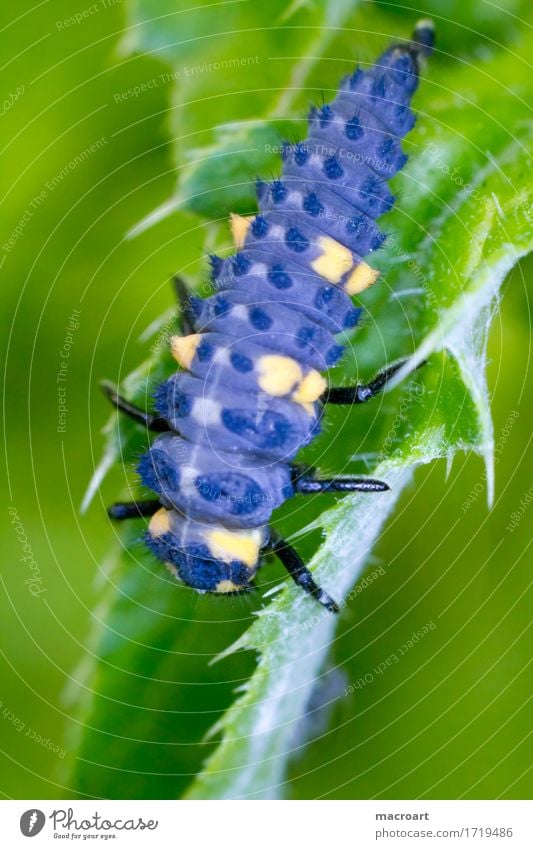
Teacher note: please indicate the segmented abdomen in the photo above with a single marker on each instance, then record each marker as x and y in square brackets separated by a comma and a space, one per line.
[249, 398]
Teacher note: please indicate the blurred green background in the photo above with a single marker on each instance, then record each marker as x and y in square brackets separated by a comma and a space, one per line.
[450, 721]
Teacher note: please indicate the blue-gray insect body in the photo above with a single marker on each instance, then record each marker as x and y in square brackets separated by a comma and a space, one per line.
[251, 393]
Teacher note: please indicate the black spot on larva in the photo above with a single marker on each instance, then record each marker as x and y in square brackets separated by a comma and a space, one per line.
[279, 278]
[312, 205]
[325, 115]
[353, 129]
[240, 264]
[260, 226]
[241, 362]
[259, 319]
[221, 305]
[279, 191]
[204, 351]
[332, 168]
[295, 240]
[301, 154]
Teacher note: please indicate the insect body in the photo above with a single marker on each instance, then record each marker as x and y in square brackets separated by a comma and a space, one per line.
[250, 393]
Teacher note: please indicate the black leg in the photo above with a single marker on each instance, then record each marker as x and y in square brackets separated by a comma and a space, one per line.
[133, 509]
[308, 486]
[184, 303]
[299, 573]
[149, 420]
[362, 392]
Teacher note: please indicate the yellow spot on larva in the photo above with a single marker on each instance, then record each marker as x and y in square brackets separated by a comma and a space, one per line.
[278, 375]
[361, 278]
[334, 261]
[234, 545]
[239, 228]
[310, 389]
[159, 523]
[227, 587]
[184, 348]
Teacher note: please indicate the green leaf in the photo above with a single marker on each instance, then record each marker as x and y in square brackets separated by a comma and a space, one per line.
[217, 160]
[219, 174]
[462, 220]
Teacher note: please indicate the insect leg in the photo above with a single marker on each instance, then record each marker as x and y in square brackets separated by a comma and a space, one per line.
[309, 485]
[363, 392]
[184, 303]
[299, 573]
[149, 420]
[133, 509]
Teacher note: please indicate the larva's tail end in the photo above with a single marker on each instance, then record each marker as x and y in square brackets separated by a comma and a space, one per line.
[423, 39]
